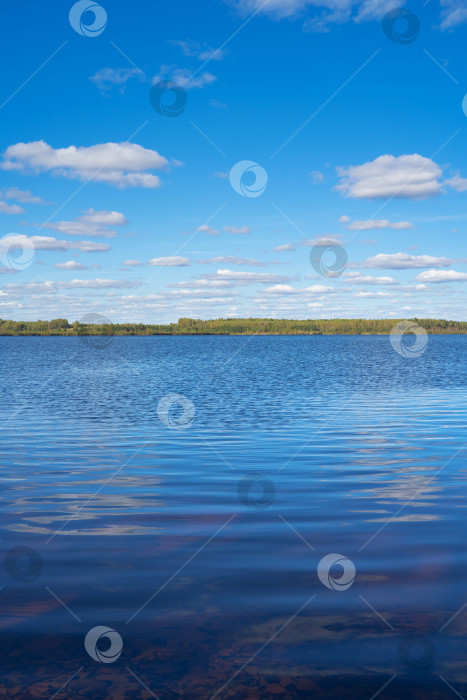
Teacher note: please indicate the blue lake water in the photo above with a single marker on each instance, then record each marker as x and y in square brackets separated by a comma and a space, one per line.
[196, 531]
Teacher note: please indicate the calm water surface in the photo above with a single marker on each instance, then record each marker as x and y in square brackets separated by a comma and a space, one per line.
[336, 445]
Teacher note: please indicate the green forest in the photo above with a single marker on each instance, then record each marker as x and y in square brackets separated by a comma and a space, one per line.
[227, 326]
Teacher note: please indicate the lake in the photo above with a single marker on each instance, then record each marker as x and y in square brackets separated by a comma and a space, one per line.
[233, 517]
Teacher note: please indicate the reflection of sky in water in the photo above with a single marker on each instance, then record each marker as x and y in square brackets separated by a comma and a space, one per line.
[351, 434]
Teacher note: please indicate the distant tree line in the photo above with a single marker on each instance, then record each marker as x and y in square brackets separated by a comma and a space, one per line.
[227, 326]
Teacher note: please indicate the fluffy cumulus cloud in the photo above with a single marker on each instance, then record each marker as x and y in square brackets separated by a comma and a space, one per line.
[403, 261]
[118, 164]
[407, 176]
[91, 223]
[441, 276]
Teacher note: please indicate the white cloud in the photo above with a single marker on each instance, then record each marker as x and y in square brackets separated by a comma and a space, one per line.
[285, 247]
[357, 278]
[132, 263]
[441, 276]
[289, 289]
[91, 223]
[319, 289]
[281, 289]
[73, 265]
[316, 177]
[247, 277]
[175, 261]
[53, 287]
[453, 13]
[184, 77]
[457, 183]
[373, 224]
[24, 196]
[106, 78]
[201, 284]
[49, 243]
[10, 208]
[119, 164]
[232, 260]
[323, 242]
[371, 295]
[236, 230]
[193, 49]
[325, 13]
[207, 229]
[402, 261]
[407, 176]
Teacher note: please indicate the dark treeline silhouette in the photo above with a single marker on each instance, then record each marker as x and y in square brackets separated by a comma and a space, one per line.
[228, 326]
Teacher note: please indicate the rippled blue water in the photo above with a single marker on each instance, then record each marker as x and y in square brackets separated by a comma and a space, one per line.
[337, 445]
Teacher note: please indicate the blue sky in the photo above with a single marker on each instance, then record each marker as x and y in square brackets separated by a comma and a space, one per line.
[108, 206]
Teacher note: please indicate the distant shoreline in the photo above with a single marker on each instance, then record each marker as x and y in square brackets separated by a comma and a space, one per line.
[95, 325]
